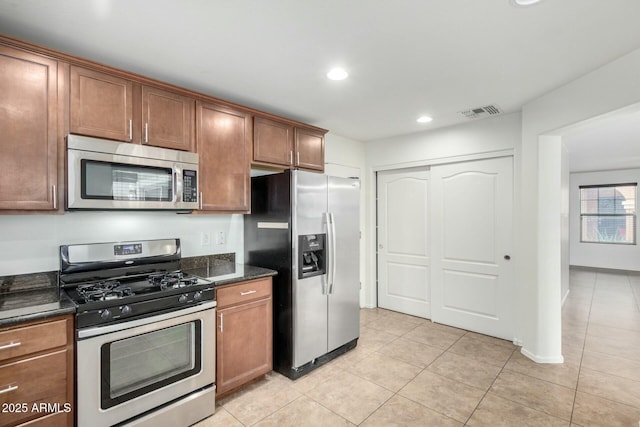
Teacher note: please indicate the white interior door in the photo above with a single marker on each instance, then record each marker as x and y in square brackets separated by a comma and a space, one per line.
[471, 243]
[403, 245]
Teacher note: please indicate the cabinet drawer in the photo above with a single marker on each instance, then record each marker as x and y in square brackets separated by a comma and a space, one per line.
[243, 292]
[40, 379]
[31, 339]
[60, 419]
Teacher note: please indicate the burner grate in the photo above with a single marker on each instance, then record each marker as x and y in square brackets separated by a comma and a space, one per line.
[104, 291]
[172, 280]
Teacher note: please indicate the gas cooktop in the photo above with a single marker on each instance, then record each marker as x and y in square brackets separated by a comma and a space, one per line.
[115, 282]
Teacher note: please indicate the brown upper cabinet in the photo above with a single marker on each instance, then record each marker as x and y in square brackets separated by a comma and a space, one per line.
[168, 119]
[272, 142]
[223, 136]
[309, 147]
[279, 144]
[28, 130]
[107, 106]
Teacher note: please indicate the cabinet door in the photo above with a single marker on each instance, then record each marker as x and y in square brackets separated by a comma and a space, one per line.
[244, 344]
[28, 130]
[309, 149]
[167, 119]
[272, 142]
[101, 105]
[224, 146]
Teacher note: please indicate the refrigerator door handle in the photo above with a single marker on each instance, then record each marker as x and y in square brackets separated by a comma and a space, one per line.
[332, 251]
[326, 277]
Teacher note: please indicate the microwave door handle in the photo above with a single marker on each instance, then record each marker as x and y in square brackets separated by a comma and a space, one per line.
[176, 190]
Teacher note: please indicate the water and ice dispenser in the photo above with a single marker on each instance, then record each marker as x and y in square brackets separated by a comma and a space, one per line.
[311, 255]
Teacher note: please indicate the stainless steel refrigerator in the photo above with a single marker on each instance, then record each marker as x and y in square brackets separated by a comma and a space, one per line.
[306, 226]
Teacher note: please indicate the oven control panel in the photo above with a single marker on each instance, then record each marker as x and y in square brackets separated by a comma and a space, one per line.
[128, 249]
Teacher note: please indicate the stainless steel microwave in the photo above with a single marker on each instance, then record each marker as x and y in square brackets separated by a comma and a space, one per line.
[104, 174]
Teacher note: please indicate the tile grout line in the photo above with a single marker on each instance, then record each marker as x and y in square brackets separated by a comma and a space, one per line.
[397, 393]
[584, 344]
[489, 388]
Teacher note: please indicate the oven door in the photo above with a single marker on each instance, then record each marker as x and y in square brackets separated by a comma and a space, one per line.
[132, 367]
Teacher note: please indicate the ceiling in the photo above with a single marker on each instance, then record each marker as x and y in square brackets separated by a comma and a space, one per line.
[606, 143]
[405, 58]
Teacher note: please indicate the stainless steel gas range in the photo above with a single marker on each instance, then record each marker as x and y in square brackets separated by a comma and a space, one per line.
[142, 356]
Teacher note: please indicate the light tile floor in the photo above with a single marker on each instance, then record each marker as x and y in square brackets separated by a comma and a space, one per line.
[410, 371]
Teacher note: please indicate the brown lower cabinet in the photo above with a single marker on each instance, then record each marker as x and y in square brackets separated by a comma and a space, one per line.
[36, 373]
[244, 333]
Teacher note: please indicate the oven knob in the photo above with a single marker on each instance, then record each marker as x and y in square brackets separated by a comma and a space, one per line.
[182, 299]
[197, 296]
[126, 310]
[105, 315]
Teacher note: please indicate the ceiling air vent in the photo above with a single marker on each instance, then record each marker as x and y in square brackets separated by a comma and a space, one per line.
[480, 112]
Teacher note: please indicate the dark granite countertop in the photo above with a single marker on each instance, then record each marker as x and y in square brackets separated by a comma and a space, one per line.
[225, 273]
[29, 297]
[36, 296]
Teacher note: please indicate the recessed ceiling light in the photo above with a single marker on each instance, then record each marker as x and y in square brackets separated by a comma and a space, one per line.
[337, 74]
[424, 119]
[524, 2]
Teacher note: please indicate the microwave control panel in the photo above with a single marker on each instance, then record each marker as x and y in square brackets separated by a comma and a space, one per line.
[189, 186]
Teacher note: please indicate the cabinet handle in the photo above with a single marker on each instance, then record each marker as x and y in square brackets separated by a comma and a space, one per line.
[247, 293]
[11, 345]
[8, 389]
[221, 323]
[54, 195]
[146, 133]
[297, 158]
[290, 157]
[201, 200]
[130, 129]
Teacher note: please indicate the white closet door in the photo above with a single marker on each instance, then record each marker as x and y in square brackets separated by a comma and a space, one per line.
[471, 212]
[403, 241]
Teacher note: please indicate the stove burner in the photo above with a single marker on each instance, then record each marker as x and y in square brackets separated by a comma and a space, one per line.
[104, 291]
[171, 280]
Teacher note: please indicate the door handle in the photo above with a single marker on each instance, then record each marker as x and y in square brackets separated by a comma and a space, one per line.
[12, 344]
[8, 389]
[332, 253]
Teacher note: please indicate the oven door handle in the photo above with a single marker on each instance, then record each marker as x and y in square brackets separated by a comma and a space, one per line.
[101, 330]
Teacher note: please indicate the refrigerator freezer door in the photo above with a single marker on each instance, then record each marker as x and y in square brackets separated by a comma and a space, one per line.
[344, 296]
[309, 204]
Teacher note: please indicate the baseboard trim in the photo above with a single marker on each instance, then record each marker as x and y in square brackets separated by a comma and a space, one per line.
[541, 359]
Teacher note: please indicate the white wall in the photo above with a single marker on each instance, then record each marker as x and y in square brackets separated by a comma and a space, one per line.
[611, 87]
[437, 146]
[565, 234]
[483, 138]
[30, 243]
[600, 255]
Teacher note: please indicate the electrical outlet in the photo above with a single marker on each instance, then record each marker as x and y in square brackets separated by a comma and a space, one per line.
[205, 238]
[221, 239]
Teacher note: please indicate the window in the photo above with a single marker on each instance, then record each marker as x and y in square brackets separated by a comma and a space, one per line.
[608, 214]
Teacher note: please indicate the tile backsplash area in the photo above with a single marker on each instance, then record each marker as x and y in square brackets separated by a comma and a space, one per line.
[30, 243]
[207, 261]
